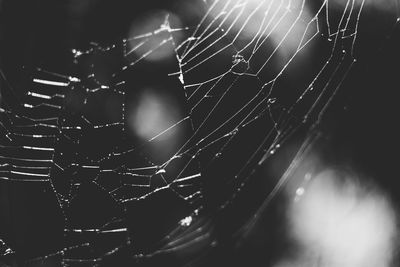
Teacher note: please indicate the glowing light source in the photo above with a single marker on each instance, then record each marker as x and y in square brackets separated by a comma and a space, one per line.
[154, 114]
[340, 223]
[283, 23]
[154, 36]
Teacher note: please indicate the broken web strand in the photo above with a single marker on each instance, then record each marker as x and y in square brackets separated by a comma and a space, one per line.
[281, 72]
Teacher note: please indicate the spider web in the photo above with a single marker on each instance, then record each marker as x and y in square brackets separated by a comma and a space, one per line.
[233, 71]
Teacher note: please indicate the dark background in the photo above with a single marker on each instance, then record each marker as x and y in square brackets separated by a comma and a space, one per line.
[360, 128]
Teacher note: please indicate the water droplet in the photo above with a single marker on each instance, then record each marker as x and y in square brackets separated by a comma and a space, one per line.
[300, 191]
[186, 221]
